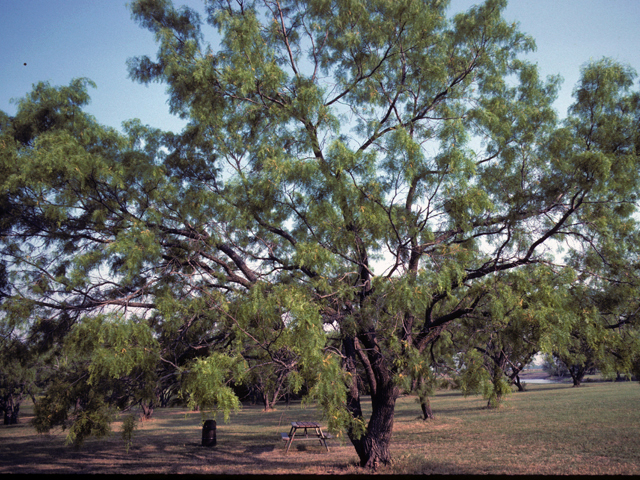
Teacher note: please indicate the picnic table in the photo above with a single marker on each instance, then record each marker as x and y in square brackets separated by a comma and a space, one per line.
[305, 431]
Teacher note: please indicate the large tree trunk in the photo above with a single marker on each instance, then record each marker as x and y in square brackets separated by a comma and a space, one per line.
[373, 447]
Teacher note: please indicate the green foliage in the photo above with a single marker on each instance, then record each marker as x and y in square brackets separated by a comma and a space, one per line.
[496, 390]
[329, 392]
[116, 346]
[206, 385]
[473, 376]
[476, 379]
[93, 421]
[129, 425]
[90, 414]
[554, 367]
[19, 375]
[366, 192]
[520, 313]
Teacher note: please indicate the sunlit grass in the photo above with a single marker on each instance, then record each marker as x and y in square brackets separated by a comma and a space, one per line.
[550, 429]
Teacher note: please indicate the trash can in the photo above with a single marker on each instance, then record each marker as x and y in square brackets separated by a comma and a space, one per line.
[209, 433]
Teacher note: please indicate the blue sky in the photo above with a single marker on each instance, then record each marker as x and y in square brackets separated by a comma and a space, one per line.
[63, 39]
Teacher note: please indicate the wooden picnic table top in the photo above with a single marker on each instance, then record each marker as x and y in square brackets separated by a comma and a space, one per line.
[305, 424]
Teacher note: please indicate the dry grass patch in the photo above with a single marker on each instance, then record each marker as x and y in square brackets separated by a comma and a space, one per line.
[550, 429]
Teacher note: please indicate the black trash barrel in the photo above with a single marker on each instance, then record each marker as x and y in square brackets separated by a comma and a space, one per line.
[209, 433]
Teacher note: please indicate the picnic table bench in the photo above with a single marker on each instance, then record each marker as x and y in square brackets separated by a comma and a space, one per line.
[312, 431]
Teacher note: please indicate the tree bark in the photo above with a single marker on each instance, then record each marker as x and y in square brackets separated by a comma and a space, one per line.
[265, 396]
[425, 405]
[495, 399]
[266, 402]
[495, 402]
[577, 373]
[373, 447]
[517, 383]
[147, 410]
[11, 410]
[164, 398]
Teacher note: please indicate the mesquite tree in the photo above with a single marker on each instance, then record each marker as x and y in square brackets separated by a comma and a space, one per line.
[523, 313]
[359, 171]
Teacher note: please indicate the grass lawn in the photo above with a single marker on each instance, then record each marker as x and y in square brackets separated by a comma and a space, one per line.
[549, 429]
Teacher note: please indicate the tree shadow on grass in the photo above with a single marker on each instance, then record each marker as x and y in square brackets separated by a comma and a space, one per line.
[177, 454]
[257, 449]
[440, 468]
[45, 456]
[415, 415]
[171, 443]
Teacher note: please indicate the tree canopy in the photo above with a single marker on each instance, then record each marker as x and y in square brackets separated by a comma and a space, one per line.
[356, 179]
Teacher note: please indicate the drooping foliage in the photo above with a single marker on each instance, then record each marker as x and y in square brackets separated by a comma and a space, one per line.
[358, 181]
[524, 313]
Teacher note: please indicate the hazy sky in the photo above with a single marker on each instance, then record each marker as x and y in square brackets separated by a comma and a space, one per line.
[63, 39]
